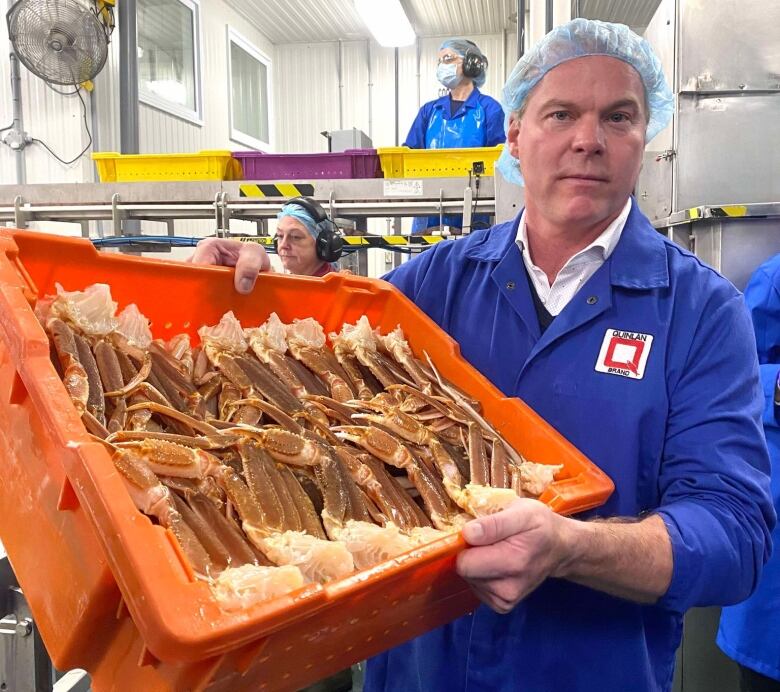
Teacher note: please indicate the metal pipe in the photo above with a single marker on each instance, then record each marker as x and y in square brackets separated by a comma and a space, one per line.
[418, 58]
[503, 55]
[397, 87]
[341, 86]
[370, 91]
[95, 124]
[128, 77]
[548, 16]
[520, 28]
[18, 121]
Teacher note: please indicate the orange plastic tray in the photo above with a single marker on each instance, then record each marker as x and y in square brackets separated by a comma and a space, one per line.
[109, 590]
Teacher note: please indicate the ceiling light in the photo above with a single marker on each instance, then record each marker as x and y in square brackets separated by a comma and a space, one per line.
[387, 21]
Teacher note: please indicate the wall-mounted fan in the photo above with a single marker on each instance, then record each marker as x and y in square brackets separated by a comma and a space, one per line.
[61, 41]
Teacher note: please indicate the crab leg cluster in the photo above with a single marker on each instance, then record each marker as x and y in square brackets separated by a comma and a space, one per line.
[277, 455]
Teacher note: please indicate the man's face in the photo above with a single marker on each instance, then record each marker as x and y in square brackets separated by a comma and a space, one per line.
[296, 247]
[580, 141]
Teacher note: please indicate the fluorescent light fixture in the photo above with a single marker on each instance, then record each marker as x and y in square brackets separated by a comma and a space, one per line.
[387, 21]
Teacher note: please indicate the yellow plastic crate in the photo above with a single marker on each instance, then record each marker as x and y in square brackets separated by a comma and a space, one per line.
[403, 162]
[135, 168]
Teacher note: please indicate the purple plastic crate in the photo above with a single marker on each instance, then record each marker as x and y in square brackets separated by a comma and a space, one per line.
[352, 163]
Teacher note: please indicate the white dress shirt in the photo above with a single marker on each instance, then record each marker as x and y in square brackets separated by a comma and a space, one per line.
[579, 268]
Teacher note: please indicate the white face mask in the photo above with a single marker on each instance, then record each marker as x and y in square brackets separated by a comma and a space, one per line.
[448, 75]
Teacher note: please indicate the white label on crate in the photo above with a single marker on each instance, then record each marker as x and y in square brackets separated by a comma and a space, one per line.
[402, 188]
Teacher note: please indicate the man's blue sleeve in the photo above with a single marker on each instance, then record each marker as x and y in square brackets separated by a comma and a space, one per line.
[416, 137]
[714, 481]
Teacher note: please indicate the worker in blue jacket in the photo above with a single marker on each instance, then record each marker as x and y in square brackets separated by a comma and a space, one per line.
[464, 117]
[634, 350]
[750, 632]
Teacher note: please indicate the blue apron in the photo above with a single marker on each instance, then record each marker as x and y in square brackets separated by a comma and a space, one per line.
[479, 122]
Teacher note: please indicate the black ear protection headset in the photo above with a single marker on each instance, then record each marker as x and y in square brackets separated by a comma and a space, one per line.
[329, 242]
[474, 64]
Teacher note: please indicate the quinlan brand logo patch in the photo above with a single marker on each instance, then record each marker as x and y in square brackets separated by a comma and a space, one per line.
[624, 353]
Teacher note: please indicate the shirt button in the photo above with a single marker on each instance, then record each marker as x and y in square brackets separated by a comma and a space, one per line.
[510, 285]
[592, 300]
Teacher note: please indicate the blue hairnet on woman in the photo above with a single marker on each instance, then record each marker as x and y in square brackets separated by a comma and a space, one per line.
[463, 117]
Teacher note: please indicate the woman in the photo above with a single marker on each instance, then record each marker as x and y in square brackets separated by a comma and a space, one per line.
[307, 242]
[464, 117]
[299, 241]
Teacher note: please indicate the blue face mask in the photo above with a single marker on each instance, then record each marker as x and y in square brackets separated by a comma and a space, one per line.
[448, 75]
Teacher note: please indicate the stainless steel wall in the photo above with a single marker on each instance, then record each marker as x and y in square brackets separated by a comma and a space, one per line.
[722, 148]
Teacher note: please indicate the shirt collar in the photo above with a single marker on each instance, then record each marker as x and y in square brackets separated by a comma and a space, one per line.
[470, 102]
[602, 247]
[638, 260]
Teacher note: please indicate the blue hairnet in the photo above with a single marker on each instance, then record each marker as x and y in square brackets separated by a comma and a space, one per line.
[576, 39]
[461, 46]
[299, 213]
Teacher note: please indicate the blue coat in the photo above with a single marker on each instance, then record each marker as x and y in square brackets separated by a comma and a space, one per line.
[683, 441]
[479, 122]
[750, 632]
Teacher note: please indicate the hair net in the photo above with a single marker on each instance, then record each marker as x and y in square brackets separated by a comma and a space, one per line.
[299, 213]
[461, 46]
[576, 39]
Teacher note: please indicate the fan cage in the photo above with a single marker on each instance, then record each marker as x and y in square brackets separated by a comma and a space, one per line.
[61, 41]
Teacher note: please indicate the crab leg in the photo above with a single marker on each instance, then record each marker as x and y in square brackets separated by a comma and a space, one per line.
[270, 491]
[499, 466]
[318, 560]
[217, 552]
[480, 470]
[264, 381]
[74, 375]
[239, 549]
[310, 521]
[170, 412]
[377, 488]
[154, 499]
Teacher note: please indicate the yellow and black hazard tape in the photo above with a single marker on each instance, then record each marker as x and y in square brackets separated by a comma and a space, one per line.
[276, 190]
[388, 242]
[732, 211]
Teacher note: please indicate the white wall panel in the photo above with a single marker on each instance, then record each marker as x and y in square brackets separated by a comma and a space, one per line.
[355, 89]
[306, 95]
[383, 96]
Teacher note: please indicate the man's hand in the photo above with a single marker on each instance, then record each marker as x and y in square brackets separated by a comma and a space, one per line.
[512, 552]
[515, 550]
[248, 258]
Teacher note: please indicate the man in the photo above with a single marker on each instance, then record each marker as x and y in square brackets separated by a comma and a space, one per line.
[750, 632]
[637, 353]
